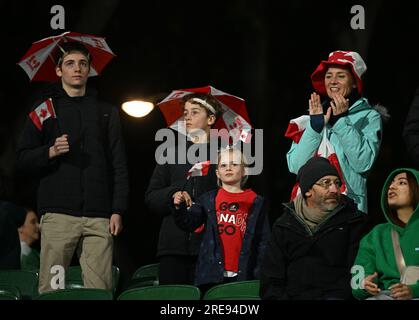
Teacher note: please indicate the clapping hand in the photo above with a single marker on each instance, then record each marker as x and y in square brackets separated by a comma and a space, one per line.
[315, 107]
[339, 104]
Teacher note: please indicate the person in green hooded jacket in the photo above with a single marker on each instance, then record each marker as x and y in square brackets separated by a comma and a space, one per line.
[376, 257]
[28, 235]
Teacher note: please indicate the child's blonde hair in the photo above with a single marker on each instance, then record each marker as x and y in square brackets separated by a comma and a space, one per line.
[243, 162]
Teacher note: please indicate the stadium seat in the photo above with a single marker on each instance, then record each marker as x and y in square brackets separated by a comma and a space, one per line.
[25, 281]
[162, 292]
[74, 279]
[144, 276]
[9, 293]
[241, 290]
[76, 294]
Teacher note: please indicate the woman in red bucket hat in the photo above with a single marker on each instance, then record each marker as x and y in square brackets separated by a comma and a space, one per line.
[341, 126]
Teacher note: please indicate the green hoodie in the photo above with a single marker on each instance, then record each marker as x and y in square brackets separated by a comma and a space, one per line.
[376, 252]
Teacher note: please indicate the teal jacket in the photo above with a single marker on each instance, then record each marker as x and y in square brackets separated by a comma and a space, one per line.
[356, 139]
[376, 253]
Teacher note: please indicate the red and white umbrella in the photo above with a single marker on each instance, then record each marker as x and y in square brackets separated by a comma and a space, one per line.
[234, 118]
[39, 60]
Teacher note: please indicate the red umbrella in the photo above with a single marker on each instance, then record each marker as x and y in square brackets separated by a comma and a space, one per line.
[234, 115]
[39, 62]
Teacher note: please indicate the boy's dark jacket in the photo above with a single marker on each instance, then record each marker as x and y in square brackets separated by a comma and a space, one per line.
[164, 182]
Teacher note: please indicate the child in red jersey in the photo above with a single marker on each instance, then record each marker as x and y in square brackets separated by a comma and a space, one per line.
[236, 224]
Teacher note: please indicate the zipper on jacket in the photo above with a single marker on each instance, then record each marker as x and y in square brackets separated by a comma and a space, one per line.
[193, 197]
[193, 188]
[82, 131]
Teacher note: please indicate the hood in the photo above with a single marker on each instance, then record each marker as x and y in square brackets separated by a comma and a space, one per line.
[383, 111]
[363, 104]
[389, 216]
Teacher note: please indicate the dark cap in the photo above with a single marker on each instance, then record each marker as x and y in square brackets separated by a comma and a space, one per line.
[314, 169]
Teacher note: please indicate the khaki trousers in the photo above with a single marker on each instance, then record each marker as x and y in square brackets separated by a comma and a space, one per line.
[61, 235]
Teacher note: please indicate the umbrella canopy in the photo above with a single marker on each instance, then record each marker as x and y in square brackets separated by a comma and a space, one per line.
[39, 60]
[234, 116]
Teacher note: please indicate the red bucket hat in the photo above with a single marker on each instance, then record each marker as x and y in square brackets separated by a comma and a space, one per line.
[344, 58]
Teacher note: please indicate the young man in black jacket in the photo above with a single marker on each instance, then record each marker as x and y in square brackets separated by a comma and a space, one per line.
[178, 250]
[74, 144]
[314, 243]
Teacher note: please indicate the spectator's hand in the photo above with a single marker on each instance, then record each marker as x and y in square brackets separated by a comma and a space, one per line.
[401, 291]
[370, 286]
[187, 198]
[115, 224]
[60, 146]
[315, 107]
[180, 197]
[314, 104]
[339, 104]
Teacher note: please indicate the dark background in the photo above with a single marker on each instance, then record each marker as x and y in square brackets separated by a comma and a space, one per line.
[263, 51]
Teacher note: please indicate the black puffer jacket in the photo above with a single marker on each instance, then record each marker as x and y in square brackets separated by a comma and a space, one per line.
[165, 181]
[301, 265]
[92, 179]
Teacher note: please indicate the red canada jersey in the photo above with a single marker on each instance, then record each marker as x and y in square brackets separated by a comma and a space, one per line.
[232, 213]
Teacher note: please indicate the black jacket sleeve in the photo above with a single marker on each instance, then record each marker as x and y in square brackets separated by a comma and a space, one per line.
[411, 130]
[188, 219]
[32, 154]
[273, 276]
[118, 164]
[160, 190]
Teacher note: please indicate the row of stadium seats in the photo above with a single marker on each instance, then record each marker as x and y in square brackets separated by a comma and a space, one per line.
[144, 285]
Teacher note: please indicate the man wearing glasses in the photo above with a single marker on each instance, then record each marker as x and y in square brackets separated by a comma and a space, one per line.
[314, 243]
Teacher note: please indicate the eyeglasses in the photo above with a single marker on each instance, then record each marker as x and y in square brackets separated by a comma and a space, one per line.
[326, 183]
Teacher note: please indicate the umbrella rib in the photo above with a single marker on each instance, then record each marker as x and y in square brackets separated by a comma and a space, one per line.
[50, 54]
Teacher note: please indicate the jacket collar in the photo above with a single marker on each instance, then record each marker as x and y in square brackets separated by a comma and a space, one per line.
[347, 213]
[55, 90]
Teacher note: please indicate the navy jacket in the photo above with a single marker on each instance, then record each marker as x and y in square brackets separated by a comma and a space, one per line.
[210, 266]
